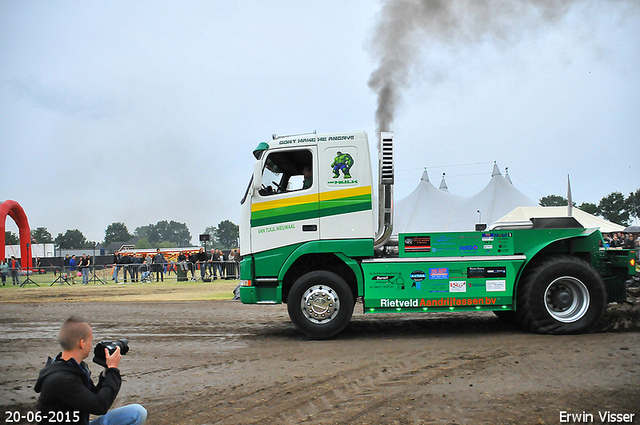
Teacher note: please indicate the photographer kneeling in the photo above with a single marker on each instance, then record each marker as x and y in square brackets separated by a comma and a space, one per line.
[67, 391]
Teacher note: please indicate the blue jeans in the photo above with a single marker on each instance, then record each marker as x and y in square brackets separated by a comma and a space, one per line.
[85, 275]
[132, 414]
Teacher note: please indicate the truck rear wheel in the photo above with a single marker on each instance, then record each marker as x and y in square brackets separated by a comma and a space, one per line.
[320, 304]
[561, 295]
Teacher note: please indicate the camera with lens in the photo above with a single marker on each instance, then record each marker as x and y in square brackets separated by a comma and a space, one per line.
[99, 356]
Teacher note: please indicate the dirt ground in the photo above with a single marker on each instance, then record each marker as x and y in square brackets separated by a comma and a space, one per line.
[222, 362]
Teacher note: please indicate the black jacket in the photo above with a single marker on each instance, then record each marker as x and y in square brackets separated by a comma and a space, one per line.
[64, 387]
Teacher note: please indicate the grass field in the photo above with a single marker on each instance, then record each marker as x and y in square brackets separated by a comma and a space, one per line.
[169, 290]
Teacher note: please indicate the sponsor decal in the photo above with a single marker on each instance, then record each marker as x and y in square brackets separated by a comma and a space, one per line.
[417, 243]
[276, 228]
[339, 182]
[457, 286]
[389, 279]
[496, 285]
[496, 271]
[341, 166]
[439, 273]
[383, 277]
[466, 248]
[490, 272]
[417, 277]
[442, 302]
[316, 139]
[497, 235]
[442, 239]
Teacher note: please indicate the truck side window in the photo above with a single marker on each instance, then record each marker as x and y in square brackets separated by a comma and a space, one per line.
[287, 171]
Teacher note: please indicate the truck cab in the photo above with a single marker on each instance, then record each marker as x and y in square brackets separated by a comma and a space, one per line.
[287, 215]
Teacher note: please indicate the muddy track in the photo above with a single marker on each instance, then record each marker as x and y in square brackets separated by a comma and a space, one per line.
[220, 362]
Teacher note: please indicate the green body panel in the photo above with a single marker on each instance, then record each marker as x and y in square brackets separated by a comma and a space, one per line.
[261, 294]
[498, 242]
[442, 271]
[504, 245]
[418, 286]
[269, 263]
[276, 262]
[345, 250]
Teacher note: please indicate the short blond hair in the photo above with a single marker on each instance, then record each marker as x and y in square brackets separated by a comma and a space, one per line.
[72, 331]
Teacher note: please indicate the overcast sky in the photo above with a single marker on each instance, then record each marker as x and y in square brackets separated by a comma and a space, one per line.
[144, 111]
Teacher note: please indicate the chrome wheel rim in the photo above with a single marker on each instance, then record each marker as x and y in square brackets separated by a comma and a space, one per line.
[567, 299]
[320, 304]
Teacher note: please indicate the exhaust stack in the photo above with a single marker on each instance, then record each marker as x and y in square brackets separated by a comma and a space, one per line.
[385, 190]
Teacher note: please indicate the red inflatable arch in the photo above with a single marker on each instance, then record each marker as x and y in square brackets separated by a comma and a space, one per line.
[15, 211]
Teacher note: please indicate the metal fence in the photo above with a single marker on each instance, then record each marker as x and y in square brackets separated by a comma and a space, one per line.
[121, 274]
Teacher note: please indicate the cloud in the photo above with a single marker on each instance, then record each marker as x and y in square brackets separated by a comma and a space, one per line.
[63, 100]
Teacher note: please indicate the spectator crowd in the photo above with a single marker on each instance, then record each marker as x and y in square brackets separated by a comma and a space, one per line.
[621, 240]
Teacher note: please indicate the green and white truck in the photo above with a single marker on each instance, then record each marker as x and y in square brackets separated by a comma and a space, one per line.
[309, 238]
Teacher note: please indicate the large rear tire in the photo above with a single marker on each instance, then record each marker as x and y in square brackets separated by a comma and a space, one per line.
[320, 304]
[561, 295]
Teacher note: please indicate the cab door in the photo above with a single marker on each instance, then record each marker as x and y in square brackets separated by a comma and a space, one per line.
[284, 211]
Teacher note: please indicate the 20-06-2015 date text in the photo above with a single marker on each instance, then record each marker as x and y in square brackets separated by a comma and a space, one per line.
[14, 417]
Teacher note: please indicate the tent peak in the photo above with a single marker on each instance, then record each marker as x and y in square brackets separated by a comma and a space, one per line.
[496, 170]
[425, 175]
[506, 175]
[443, 184]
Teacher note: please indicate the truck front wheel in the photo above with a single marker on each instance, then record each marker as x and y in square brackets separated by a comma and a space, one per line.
[320, 304]
[561, 295]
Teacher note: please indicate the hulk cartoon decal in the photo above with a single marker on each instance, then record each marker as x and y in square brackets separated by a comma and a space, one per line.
[344, 162]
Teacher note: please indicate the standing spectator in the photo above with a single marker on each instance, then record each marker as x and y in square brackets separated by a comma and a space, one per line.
[231, 269]
[614, 242]
[84, 269]
[135, 267]
[125, 262]
[214, 264]
[211, 264]
[72, 269]
[630, 242]
[234, 259]
[202, 262]
[224, 265]
[116, 266]
[90, 266]
[15, 267]
[65, 269]
[192, 265]
[4, 271]
[158, 264]
[219, 264]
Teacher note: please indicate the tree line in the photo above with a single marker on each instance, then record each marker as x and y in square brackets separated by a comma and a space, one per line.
[163, 234]
[614, 207]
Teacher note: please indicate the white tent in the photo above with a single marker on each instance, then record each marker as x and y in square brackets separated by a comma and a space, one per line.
[587, 220]
[495, 200]
[431, 209]
[426, 208]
